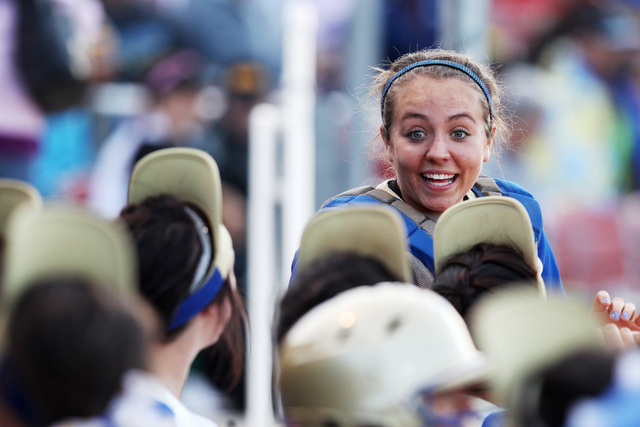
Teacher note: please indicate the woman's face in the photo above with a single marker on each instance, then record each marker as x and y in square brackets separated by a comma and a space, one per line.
[438, 141]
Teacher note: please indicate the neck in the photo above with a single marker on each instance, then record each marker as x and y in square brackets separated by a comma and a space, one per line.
[171, 362]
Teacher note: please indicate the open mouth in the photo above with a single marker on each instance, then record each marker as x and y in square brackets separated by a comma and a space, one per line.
[439, 179]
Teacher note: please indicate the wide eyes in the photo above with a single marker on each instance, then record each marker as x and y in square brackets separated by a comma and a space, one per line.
[417, 134]
[459, 134]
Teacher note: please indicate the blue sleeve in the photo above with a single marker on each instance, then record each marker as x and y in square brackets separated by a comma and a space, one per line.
[494, 419]
[550, 271]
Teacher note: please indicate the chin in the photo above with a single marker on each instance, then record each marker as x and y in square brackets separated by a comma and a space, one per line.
[439, 206]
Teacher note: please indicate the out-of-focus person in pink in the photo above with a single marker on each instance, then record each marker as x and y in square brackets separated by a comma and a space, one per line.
[22, 120]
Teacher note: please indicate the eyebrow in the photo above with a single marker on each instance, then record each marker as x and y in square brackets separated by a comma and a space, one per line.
[414, 116]
[425, 117]
[462, 116]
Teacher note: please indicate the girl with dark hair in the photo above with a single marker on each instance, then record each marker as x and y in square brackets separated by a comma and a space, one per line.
[73, 324]
[171, 258]
[185, 271]
[70, 342]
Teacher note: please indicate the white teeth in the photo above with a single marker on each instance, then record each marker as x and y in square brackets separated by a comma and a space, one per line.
[439, 179]
[438, 176]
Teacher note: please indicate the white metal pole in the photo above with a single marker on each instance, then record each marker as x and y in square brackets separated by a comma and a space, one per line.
[298, 106]
[264, 123]
[295, 194]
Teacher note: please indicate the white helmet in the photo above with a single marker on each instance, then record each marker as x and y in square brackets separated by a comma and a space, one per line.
[361, 357]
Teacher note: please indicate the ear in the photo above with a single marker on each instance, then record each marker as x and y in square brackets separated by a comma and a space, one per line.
[489, 146]
[387, 145]
[219, 315]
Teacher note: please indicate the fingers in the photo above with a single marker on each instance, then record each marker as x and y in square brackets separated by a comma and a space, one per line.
[626, 316]
[606, 309]
[601, 302]
[620, 338]
[600, 306]
[615, 309]
[628, 312]
[635, 324]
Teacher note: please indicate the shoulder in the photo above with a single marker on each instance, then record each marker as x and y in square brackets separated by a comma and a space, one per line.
[143, 397]
[183, 416]
[354, 195]
[511, 189]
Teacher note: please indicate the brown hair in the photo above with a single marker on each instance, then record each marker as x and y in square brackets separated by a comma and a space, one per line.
[72, 341]
[325, 278]
[169, 251]
[484, 73]
[486, 267]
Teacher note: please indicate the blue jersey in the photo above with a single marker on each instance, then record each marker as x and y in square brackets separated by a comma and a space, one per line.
[420, 230]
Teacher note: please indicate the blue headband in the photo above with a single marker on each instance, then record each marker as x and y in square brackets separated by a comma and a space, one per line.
[197, 301]
[200, 296]
[451, 64]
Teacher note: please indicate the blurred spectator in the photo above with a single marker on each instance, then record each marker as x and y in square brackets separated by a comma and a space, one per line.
[68, 145]
[226, 31]
[142, 37]
[615, 402]
[335, 24]
[74, 323]
[580, 106]
[172, 120]
[223, 31]
[576, 101]
[22, 120]
[245, 84]
[519, 23]
[140, 34]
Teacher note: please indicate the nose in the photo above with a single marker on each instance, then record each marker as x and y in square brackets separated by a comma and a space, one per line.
[438, 151]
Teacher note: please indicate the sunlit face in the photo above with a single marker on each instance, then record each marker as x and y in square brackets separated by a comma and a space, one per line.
[438, 141]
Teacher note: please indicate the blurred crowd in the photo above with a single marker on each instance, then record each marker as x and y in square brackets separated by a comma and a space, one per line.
[188, 73]
[575, 97]
[166, 74]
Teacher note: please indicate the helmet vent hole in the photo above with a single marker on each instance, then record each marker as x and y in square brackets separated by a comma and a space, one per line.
[393, 325]
[343, 334]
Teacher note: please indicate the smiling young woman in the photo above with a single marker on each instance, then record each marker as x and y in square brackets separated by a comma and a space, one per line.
[441, 117]
[438, 143]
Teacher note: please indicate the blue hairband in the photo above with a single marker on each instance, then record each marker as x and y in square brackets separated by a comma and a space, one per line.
[197, 301]
[451, 64]
[202, 296]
